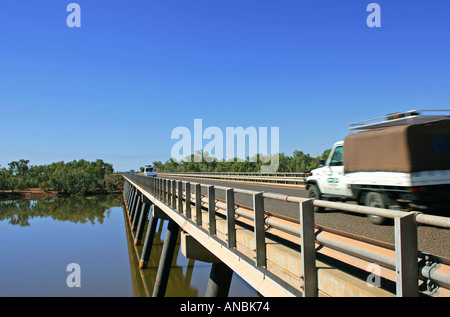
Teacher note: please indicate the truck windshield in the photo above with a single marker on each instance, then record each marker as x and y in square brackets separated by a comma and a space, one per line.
[338, 157]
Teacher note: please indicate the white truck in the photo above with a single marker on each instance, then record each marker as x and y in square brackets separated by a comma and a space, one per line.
[150, 171]
[400, 161]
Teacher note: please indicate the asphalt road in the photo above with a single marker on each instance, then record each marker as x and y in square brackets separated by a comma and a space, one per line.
[431, 240]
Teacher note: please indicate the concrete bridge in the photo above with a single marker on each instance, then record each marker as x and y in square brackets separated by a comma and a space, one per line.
[277, 255]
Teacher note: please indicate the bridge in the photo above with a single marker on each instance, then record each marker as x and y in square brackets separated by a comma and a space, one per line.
[279, 255]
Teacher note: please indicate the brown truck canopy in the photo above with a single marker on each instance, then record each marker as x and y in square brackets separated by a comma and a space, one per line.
[403, 148]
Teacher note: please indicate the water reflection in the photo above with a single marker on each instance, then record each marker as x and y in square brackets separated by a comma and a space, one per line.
[180, 282]
[187, 278]
[41, 237]
[92, 209]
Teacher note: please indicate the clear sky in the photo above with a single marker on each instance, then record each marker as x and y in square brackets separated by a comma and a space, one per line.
[116, 87]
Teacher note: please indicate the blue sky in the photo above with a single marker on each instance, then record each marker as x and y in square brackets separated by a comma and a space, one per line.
[116, 87]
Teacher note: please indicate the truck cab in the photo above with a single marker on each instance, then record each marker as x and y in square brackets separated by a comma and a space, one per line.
[329, 179]
[402, 162]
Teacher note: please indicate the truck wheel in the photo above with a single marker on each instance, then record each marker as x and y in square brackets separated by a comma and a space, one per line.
[314, 193]
[375, 199]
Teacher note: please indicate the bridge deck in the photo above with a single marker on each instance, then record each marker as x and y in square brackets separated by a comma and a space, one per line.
[282, 272]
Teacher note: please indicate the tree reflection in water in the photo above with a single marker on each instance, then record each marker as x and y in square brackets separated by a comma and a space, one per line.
[77, 209]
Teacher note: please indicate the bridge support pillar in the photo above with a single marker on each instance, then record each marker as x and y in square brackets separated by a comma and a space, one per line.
[219, 280]
[148, 243]
[141, 224]
[220, 276]
[162, 276]
[155, 215]
[129, 192]
[136, 213]
[134, 201]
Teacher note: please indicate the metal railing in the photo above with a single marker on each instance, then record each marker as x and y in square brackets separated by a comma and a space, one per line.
[274, 178]
[409, 264]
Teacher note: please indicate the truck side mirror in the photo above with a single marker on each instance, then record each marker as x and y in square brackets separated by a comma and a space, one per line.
[322, 163]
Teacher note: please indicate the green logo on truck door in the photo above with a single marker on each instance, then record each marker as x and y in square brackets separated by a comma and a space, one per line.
[332, 180]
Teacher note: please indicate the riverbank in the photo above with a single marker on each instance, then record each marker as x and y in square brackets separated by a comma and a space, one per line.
[38, 193]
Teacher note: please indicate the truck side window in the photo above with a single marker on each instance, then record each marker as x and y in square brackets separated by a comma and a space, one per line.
[338, 157]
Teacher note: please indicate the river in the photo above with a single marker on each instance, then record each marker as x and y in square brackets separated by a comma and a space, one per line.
[81, 247]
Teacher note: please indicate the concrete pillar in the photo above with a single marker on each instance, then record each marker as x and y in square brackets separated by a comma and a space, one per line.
[136, 213]
[148, 243]
[133, 204]
[220, 276]
[162, 276]
[141, 225]
[219, 280]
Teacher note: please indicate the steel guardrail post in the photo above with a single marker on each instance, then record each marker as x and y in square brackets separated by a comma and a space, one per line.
[174, 194]
[157, 188]
[406, 254]
[160, 189]
[169, 192]
[180, 196]
[231, 220]
[164, 193]
[188, 200]
[308, 249]
[259, 229]
[212, 209]
[163, 190]
[198, 204]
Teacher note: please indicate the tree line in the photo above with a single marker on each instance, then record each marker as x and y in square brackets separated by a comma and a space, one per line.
[75, 177]
[298, 162]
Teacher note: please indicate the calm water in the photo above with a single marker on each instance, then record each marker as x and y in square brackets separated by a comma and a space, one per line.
[40, 238]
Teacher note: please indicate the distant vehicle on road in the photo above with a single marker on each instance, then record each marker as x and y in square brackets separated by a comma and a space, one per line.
[132, 172]
[150, 171]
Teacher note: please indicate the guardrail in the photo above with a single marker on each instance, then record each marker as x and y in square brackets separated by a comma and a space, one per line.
[413, 271]
[273, 178]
